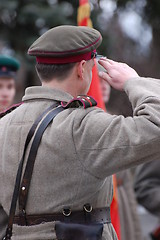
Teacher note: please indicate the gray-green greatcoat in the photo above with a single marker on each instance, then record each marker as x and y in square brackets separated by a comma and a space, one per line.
[78, 153]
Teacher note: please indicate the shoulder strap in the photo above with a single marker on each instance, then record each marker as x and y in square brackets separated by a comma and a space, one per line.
[81, 101]
[84, 101]
[24, 189]
[19, 173]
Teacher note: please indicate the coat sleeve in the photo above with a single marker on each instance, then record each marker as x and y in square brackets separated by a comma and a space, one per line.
[147, 186]
[106, 144]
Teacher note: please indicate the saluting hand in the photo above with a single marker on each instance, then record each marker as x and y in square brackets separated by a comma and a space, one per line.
[117, 73]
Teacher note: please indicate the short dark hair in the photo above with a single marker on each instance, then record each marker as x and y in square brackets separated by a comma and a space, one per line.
[47, 72]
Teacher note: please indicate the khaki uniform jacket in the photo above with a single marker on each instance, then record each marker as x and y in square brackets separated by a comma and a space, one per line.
[78, 152]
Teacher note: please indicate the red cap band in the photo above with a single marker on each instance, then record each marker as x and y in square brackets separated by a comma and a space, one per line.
[69, 59]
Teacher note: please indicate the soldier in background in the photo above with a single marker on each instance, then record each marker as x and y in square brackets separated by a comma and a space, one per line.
[8, 69]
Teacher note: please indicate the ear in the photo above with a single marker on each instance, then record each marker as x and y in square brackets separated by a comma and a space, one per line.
[81, 67]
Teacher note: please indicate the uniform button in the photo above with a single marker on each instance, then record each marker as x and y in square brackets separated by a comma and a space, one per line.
[23, 188]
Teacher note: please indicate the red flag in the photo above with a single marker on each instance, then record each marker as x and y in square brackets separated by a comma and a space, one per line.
[114, 209]
[95, 90]
[83, 19]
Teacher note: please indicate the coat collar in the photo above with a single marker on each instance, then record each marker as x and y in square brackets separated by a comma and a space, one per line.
[39, 92]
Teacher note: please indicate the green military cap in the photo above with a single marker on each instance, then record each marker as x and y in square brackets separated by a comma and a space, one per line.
[66, 44]
[8, 66]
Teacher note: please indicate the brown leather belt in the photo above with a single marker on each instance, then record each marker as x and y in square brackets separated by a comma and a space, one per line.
[96, 215]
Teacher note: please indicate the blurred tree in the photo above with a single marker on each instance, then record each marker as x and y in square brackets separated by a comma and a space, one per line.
[22, 21]
[126, 50]
[152, 15]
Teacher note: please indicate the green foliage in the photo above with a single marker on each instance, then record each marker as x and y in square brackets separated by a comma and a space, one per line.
[21, 22]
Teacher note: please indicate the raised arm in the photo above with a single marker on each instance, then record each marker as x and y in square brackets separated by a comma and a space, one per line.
[106, 144]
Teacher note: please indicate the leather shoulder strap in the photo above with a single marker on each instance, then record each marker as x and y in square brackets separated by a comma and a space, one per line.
[19, 173]
[84, 101]
[24, 189]
[81, 101]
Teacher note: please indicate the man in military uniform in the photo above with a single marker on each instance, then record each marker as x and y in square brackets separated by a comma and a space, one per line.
[8, 69]
[82, 147]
